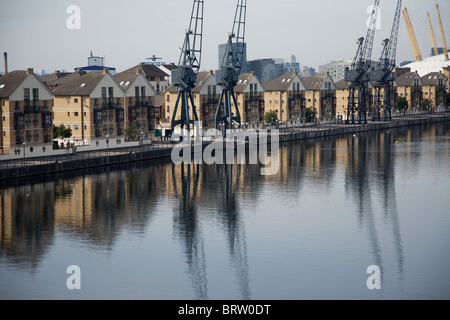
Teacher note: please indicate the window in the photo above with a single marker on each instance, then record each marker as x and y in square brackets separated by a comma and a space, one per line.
[75, 100]
[104, 97]
[26, 96]
[68, 114]
[76, 127]
[75, 114]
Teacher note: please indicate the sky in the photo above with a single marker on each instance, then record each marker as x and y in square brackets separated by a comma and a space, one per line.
[35, 33]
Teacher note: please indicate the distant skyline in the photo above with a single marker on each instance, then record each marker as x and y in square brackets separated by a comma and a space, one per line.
[35, 33]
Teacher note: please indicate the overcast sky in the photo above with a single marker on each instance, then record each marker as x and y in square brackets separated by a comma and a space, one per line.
[35, 32]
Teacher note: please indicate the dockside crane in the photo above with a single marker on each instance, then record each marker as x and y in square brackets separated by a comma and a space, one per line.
[357, 73]
[382, 75]
[185, 76]
[228, 75]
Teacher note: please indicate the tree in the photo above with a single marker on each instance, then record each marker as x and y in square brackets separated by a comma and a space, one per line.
[426, 104]
[402, 104]
[271, 117]
[310, 114]
[61, 132]
[132, 132]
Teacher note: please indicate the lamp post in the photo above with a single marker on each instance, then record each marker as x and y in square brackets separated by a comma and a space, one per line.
[107, 143]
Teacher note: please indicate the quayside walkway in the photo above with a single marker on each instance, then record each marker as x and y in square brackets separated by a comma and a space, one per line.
[25, 167]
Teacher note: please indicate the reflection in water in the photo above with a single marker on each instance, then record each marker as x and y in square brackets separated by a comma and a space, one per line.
[95, 206]
[230, 218]
[186, 225]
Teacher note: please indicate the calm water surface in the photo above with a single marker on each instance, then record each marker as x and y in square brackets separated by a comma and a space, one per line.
[162, 231]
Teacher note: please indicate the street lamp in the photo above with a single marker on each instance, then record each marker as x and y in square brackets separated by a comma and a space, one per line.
[107, 143]
[24, 152]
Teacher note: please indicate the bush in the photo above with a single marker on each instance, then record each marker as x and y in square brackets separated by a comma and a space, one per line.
[270, 117]
[61, 132]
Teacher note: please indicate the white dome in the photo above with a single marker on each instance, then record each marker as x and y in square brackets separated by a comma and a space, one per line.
[431, 64]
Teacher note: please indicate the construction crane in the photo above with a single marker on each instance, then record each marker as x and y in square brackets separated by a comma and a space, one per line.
[231, 68]
[412, 36]
[444, 43]
[357, 73]
[382, 75]
[185, 76]
[433, 38]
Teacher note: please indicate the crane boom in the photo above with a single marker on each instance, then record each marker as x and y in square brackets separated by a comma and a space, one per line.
[444, 43]
[433, 38]
[412, 36]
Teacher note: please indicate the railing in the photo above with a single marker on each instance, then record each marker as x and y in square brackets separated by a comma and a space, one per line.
[83, 155]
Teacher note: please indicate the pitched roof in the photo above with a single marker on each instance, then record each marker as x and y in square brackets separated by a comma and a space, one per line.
[315, 82]
[54, 76]
[432, 78]
[126, 78]
[202, 77]
[10, 81]
[244, 80]
[407, 79]
[67, 78]
[281, 83]
[342, 84]
[81, 86]
[149, 70]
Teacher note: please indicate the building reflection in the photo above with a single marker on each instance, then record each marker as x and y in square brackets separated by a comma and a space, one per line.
[93, 208]
[27, 223]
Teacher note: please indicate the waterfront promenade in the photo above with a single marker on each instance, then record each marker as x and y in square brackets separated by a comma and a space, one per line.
[26, 167]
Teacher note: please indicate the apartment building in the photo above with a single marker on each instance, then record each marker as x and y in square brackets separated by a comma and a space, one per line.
[138, 101]
[434, 88]
[91, 105]
[410, 86]
[320, 95]
[250, 99]
[285, 96]
[26, 113]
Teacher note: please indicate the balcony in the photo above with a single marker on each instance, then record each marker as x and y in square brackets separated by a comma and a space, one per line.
[253, 96]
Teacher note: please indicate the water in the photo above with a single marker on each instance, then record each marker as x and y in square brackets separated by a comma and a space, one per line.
[162, 231]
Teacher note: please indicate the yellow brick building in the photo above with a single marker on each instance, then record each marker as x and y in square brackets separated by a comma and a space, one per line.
[26, 114]
[285, 96]
[320, 95]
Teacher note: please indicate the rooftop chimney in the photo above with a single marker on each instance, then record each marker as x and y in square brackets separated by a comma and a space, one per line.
[30, 71]
[5, 56]
[106, 70]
